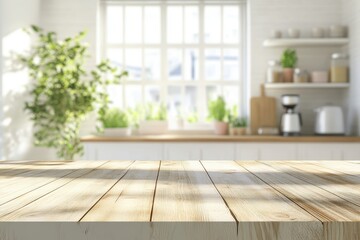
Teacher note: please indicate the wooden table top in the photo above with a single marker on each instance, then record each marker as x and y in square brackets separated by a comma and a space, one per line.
[238, 199]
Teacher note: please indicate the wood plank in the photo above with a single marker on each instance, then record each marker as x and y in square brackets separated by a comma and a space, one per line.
[49, 186]
[262, 212]
[340, 166]
[71, 202]
[186, 195]
[12, 187]
[320, 203]
[343, 185]
[332, 210]
[131, 199]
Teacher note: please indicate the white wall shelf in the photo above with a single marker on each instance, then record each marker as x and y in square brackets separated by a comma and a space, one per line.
[305, 42]
[306, 85]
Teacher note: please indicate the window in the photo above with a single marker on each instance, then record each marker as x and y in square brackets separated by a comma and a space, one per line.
[182, 53]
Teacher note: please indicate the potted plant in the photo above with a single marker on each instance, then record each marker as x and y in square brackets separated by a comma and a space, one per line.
[116, 123]
[289, 60]
[218, 113]
[155, 119]
[238, 126]
[63, 93]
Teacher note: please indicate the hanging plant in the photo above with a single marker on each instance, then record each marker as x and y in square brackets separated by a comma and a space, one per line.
[64, 93]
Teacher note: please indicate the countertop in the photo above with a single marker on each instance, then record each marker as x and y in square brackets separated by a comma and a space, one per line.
[214, 138]
[162, 200]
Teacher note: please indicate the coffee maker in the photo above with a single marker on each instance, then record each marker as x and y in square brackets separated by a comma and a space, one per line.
[291, 121]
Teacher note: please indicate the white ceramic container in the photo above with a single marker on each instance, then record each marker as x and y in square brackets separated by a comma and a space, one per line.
[153, 127]
[117, 132]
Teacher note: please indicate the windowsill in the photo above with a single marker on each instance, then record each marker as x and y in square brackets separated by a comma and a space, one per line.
[226, 138]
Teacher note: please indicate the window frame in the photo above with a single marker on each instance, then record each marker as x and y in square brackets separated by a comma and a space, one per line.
[163, 83]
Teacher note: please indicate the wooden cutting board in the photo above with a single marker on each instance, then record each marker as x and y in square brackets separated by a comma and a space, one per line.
[263, 112]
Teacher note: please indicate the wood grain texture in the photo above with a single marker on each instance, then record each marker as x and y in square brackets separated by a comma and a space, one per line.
[332, 210]
[343, 185]
[53, 183]
[250, 200]
[158, 200]
[263, 112]
[71, 202]
[131, 198]
[185, 193]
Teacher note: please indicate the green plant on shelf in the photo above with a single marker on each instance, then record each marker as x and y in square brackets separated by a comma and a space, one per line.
[239, 122]
[217, 110]
[289, 58]
[116, 118]
[155, 112]
[63, 92]
[135, 115]
[192, 117]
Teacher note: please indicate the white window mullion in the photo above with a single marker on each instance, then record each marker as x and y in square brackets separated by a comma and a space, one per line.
[201, 101]
[222, 49]
[164, 62]
[123, 58]
[143, 55]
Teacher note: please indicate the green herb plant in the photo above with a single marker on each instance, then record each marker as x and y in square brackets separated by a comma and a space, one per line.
[289, 58]
[217, 110]
[193, 117]
[115, 118]
[155, 112]
[64, 93]
[239, 122]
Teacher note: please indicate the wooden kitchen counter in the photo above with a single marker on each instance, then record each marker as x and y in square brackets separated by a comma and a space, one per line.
[163, 200]
[214, 138]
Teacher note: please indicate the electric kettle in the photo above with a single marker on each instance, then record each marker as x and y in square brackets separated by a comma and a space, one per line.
[329, 120]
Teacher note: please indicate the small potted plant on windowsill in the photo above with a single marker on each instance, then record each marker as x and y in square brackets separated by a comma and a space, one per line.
[289, 60]
[116, 123]
[218, 113]
[238, 126]
[155, 120]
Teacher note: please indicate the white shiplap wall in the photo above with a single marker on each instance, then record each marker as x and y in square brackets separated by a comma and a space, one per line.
[304, 15]
[351, 13]
[69, 17]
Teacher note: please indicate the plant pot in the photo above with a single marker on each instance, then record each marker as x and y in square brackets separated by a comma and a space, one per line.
[221, 128]
[117, 132]
[288, 74]
[238, 131]
[153, 127]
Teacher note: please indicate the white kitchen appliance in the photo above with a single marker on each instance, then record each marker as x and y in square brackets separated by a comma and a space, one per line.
[291, 121]
[329, 120]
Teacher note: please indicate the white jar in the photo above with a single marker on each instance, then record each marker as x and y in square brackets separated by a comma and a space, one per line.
[339, 68]
[274, 72]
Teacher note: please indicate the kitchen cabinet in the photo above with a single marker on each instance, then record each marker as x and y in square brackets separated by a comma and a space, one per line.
[218, 151]
[182, 151]
[123, 151]
[320, 151]
[350, 151]
[221, 151]
[266, 151]
[247, 151]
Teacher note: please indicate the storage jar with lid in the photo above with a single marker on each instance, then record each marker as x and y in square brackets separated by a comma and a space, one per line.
[301, 76]
[339, 68]
[274, 73]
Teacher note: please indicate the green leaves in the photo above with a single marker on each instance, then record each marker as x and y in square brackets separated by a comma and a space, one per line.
[115, 118]
[289, 58]
[62, 95]
[156, 112]
[217, 109]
